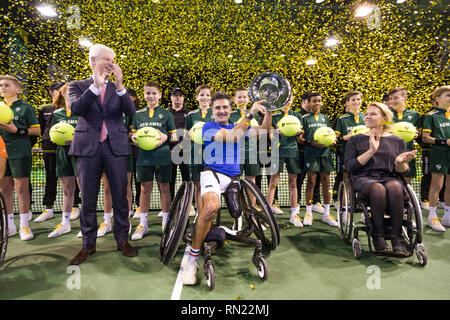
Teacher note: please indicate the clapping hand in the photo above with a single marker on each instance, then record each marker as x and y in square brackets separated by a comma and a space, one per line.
[100, 74]
[406, 157]
[374, 141]
[118, 75]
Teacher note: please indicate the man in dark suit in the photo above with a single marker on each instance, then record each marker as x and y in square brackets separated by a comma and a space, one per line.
[101, 141]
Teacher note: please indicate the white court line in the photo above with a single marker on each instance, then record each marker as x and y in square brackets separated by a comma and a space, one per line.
[176, 293]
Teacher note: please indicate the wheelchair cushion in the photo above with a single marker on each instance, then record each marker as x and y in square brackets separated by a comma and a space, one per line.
[216, 234]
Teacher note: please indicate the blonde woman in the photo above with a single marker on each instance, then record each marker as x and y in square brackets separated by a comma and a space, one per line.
[374, 161]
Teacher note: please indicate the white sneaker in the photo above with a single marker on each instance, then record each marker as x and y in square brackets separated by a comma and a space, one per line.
[192, 212]
[296, 221]
[189, 272]
[79, 234]
[12, 231]
[45, 215]
[330, 220]
[308, 219]
[104, 229]
[317, 207]
[276, 209]
[60, 230]
[435, 225]
[137, 214]
[139, 233]
[425, 205]
[446, 220]
[25, 233]
[74, 214]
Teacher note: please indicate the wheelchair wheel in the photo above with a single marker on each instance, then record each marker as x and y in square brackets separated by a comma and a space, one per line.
[416, 217]
[177, 222]
[421, 254]
[210, 275]
[356, 247]
[263, 271]
[259, 216]
[345, 210]
[3, 230]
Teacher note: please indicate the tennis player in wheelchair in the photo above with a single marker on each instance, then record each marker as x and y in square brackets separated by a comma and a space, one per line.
[375, 160]
[222, 165]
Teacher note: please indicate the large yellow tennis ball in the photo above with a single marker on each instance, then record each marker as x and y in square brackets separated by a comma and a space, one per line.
[360, 129]
[404, 130]
[6, 114]
[196, 132]
[289, 125]
[147, 138]
[61, 132]
[325, 136]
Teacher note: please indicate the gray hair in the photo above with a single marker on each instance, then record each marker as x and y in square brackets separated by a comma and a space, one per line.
[96, 49]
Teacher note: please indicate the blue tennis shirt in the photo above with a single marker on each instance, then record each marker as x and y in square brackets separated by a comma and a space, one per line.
[221, 157]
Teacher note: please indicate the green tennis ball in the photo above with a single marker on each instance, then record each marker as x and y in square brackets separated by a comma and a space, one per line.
[289, 125]
[360, 129]
[325, 136]
[147, 138]
[196, 132]
[6, 114]
[61, 132]
[404, 130]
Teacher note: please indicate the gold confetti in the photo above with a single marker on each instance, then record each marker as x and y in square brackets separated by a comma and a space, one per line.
[187, 43]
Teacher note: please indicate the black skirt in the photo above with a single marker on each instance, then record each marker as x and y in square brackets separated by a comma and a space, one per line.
[361, 183]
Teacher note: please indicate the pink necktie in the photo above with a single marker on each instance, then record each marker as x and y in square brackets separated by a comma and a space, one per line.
[102, 98]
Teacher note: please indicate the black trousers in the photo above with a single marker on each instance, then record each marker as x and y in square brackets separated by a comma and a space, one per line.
[137, 185]
[184, 169]
[51, 181]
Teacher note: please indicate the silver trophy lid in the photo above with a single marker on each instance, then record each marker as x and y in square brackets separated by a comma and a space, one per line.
[273, 88]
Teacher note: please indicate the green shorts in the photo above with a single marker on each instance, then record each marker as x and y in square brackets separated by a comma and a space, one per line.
[250, 169]
[292, 166]
[163, 173]
[66, 166]
[194, 172]
[321, 164]
[18, 168]
[440, 161]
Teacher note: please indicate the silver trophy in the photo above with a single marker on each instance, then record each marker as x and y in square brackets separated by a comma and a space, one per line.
[273, 88]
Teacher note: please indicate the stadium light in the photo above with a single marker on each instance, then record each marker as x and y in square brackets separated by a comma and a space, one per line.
[363, 11]
[85, 42]
[47, 10]
[330, 42]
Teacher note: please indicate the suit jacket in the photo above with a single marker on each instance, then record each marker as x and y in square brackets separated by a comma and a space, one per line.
[91, 113]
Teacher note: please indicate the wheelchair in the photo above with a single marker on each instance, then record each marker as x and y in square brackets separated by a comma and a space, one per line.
[259, 227]
[3, 230]
[351, 202]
